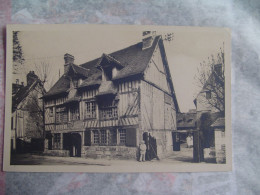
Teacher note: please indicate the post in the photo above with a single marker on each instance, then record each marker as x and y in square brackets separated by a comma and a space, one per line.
[83, 138]
[52, 141]
[61, 141]
[198, 155]
[15, 133]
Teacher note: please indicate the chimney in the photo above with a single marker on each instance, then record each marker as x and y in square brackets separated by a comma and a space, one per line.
[69, 59]
[148, 37]
[17, 81]
[31, 77]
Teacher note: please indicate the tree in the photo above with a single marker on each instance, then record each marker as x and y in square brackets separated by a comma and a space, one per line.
[18, 59]
[43, 71]
[35, 128]
[211, 78]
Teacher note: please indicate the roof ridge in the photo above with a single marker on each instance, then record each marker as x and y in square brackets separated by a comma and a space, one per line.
[110, 54]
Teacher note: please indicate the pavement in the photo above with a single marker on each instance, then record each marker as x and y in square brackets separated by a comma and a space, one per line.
[183, 156]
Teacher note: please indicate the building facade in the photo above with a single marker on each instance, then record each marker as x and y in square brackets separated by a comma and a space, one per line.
[27, 113]
[210, 107]
[105, 107]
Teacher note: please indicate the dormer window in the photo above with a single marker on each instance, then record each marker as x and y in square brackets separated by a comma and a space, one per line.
[109, 67]
[75, 83]
[108, 74]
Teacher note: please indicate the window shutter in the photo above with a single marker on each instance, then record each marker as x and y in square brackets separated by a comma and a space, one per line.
[131, 137]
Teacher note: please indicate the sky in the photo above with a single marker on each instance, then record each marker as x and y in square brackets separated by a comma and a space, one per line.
[189, 47]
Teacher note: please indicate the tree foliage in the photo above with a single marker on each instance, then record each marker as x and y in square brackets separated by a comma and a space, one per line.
[211, 79]
[18, 59]
[35, 128]
[43, 70]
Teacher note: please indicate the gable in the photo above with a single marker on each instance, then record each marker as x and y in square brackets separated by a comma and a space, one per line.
[155, 71]
[22, 95]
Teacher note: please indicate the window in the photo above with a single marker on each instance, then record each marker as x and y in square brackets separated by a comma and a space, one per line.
[218, 69]
[180, 121]
[90, 110]
[51, 111]
[108, 110]
[103, 136]
[223, 147]
[56, 141]
[122, 136]
[222, 134]
[112, 137]
[74, 113]
[108, 73]
[190, 120]
[61, 115]
[96, 137]
[208, 95]
[75, 83]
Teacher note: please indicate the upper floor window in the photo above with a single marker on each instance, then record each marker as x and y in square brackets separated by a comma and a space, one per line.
[75, 83]
[108, 73]
[74, 113]
[108, 109]
[90, 111]
[61, 115]
[51, 111]
[208, 95]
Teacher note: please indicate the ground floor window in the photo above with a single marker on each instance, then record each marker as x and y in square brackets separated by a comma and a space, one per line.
[110, 137]
[122, 136]
[103, 136]
[96, 137]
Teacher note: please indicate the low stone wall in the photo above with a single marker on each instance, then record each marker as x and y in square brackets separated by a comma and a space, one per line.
[64, 153]
[109, 152]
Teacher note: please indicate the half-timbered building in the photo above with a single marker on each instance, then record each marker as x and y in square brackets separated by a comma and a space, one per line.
[27, 115]
[105, 107]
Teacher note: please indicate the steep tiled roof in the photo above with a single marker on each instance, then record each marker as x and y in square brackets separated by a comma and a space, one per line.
[107, 87]
[80, 70]
[61, 86]
[133, 60]
[220, 122]
[22, 93]
[109, 60]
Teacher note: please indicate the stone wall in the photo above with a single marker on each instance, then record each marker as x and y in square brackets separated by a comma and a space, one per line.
[110, 152]
[63, 153]
[220, 146]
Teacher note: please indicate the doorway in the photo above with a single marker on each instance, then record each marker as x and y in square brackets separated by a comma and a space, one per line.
[72, 142]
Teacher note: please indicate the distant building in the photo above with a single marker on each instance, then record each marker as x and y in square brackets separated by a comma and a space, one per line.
[27, 112]
[105, 107]
[210, 103]
[186, 124]
[211, 97]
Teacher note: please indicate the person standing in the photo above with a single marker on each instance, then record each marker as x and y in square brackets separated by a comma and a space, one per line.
[142, 148]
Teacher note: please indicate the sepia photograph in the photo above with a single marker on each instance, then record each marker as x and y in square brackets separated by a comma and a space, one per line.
[112, 98]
